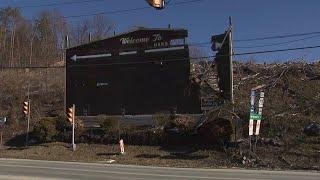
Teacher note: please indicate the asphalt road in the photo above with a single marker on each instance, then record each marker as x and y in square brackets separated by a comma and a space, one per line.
[34, 169]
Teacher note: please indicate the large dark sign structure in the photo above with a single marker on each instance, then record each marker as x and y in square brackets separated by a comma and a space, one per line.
[144, 71]
[222, 43]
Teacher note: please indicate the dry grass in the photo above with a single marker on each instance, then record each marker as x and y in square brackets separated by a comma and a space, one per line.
[303, 156]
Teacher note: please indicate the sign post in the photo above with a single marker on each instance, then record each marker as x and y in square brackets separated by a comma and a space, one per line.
[121, 146]
[26, 111]
[255, 116]
[121, 143]
[73, 114]
[71, 119]
[260, 106]
[3, 120]
[252, 110]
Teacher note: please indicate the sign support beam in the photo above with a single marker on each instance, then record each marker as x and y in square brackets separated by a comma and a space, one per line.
[73, 124]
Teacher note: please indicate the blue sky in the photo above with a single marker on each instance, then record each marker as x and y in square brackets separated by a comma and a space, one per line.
[251, 19]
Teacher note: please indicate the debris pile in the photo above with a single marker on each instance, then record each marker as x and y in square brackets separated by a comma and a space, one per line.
[291, 116]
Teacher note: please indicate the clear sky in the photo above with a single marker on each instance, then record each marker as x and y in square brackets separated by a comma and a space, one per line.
[251, 19]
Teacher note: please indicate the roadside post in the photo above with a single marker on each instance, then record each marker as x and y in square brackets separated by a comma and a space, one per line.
[121, 146]
[121, 142]
[3, 120]
[252, 110]
[255, 116]
[260, 106]
[70, 116]
[26, 111]
[73, 143]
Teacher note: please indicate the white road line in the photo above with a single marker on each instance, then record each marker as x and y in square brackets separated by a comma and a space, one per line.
[119, 172]
[13, 177]
[220, 170]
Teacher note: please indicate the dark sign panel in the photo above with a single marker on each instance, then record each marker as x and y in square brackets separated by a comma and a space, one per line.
[221, 43]
[144, 72]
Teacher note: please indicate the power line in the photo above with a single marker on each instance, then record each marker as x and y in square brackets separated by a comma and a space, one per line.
[204, 44]
[277, 50]
[58, 4]
[167, 60]
[275, 44]
[277, 37]
[129, 10]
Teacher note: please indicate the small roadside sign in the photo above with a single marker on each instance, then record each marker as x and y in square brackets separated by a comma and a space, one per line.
[3, 120]
[255, 116]
[207, 103]
[121, 146]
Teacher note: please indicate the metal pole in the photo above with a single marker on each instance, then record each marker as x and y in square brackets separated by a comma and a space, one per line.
[28, 118]
[231, 61]
[252, 111]
[66, 45]
[73, 144]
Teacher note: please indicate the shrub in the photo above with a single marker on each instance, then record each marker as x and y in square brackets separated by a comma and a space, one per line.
[45, 130]
[56, 129]
[161, 119]
[109, 125]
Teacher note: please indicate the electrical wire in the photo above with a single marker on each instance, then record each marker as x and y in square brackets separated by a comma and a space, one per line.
[277, 50]
[276, 37]
[58, 4]
[317, 34]
[275, 44]
[129, 10]
[168, 60]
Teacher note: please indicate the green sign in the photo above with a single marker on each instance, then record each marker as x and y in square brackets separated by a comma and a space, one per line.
[255, 116]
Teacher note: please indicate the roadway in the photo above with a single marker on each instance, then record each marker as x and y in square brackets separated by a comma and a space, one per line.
[36, 169]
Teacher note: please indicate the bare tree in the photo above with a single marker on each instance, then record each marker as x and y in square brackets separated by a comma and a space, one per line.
[101, 27]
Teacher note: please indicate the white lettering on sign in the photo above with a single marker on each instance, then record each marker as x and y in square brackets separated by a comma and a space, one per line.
[102, 84]
[156, 37]
[160, 44]
[131, 40]
[176, 42]
[125, 41]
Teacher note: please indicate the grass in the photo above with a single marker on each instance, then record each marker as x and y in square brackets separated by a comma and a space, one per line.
[139, 155]
[304, 156]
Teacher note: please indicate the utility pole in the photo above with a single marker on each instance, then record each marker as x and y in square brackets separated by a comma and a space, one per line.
[231, 61]
[66, 45]
[231, 75]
